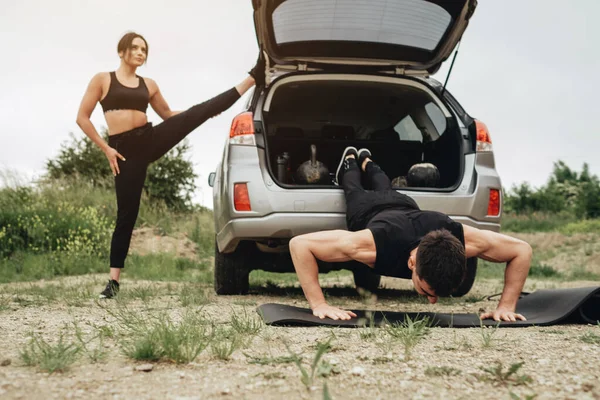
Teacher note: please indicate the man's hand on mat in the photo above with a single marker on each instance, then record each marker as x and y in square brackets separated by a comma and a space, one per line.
[502, 314]
[325, 310]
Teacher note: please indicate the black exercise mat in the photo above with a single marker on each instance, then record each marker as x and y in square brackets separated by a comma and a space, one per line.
[543, 307]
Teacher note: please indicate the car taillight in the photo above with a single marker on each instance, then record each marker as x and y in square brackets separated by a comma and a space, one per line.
[241, 198]
[484, 141]
[494, 203]
[242, 130]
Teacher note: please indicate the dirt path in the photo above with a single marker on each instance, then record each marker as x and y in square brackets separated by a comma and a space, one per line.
[558, 361]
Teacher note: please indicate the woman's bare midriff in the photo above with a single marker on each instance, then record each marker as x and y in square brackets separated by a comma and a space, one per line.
[120, 121]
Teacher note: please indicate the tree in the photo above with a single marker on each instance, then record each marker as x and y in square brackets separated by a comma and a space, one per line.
[565, 190]
[171, 179]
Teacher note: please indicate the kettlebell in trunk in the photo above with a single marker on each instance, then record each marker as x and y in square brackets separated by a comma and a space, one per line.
[313, 171]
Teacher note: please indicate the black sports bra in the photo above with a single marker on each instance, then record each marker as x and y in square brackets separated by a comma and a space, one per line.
[121, 97]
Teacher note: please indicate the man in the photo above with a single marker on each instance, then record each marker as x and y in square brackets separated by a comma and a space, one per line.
[389, 233]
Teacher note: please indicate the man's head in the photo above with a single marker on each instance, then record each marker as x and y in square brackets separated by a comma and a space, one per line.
[439, 265]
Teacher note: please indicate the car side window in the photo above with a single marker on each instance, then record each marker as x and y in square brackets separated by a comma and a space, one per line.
[437, 117]
[407, 130]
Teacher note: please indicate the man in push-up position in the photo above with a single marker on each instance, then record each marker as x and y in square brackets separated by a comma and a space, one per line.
[389, 233]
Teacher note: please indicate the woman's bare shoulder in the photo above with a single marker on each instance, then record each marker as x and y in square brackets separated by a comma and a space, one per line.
[151, 83]
[101, 78]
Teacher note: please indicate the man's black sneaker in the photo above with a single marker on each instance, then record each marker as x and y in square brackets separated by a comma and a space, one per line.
[340, 169]
[111, 289]
[363, 154]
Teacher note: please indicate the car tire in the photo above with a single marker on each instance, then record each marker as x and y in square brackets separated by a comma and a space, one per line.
[467, 283]
[365, 278]
[232, 271]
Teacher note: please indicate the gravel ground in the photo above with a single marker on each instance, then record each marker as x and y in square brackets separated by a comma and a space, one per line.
[558, 361]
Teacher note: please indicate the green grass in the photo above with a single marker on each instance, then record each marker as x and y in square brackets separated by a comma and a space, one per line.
[49, 357]
[25, 266]
[142, 292]
[157, 337]
[409, 332]
[543, 271]
[270, 360]
[246, 324]
[442, 371]
[536, 222]
[581, 226]
[370, 331]
[262, 278]
[226, 342]
[194, 295]
[59, 228]
[590, 338]
[489, 270]
[579, 273]
[514, 396]
[92, 346]
[497, 375]
[487, 334]
[167, 267]
[161, 339]
[5, 301]
[317, 366]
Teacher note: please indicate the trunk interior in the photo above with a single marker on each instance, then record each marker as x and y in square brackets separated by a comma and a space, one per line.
[401, 124]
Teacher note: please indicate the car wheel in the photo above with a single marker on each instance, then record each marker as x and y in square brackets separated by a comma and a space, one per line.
[467, 283]
[231, 270]
[365, 278]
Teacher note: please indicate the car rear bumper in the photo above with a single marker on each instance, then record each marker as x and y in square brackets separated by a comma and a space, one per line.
[288, 225]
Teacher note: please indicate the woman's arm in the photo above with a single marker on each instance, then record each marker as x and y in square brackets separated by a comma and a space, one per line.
[245, 85]
[329, 246]
[157, 101]
[496, 247]
[92, 96]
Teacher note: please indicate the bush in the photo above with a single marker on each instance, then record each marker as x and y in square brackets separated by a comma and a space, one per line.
[31, 222]
[566, 190]
[170, 180]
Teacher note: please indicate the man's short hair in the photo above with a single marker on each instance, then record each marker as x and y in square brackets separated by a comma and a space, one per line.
[441, 262]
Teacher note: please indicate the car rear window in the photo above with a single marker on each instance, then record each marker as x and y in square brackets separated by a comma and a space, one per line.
[413, 23]
[408, 130]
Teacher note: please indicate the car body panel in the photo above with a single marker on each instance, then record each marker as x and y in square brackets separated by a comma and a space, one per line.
[407, 36]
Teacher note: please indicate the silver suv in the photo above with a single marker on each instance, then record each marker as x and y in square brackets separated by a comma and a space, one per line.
[346, 73]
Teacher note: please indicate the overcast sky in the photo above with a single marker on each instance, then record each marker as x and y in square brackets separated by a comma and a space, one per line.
[528, 69]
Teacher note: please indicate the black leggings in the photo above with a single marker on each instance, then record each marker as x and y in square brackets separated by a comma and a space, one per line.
[361, 204]
[142, 146]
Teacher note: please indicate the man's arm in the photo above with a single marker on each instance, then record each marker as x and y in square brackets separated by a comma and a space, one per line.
[496, 247]
[329, 246]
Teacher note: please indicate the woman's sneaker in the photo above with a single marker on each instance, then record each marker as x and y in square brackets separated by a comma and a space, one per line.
[111, 289]
[341, 167]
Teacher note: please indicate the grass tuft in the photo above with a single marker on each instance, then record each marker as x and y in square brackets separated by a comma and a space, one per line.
[225, 343]
[409, 332]
[159, 338]
[192, 295]
[442, 371]
[487, 334]
[590, 338]
[316, 366]
[246, 324]
[49, 357]
[497, 375]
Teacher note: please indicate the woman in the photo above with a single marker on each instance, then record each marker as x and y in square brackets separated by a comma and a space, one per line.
[133, 142]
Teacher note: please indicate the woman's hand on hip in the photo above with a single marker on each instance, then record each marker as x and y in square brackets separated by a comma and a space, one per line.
[112, 155]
